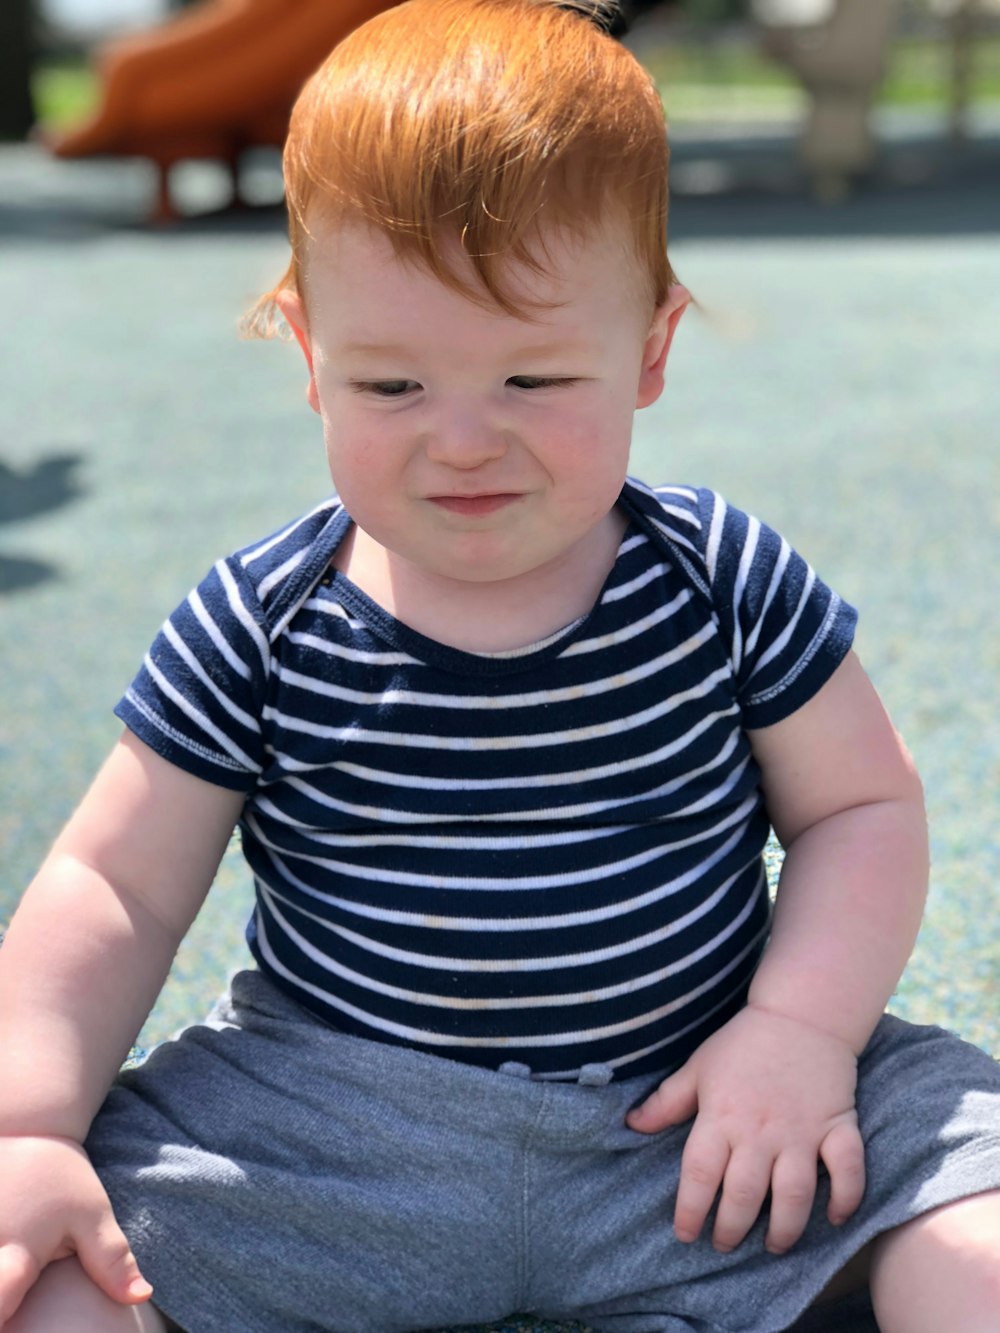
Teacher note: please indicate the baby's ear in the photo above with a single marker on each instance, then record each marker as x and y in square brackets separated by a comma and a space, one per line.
[293, 310]
[661, 334]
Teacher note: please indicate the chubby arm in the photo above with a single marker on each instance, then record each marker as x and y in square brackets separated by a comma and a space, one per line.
[846, 803]
[86, 954]
[93, 939]
[773, 1090]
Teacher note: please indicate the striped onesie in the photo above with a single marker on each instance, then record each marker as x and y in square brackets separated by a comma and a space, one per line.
[550, 855]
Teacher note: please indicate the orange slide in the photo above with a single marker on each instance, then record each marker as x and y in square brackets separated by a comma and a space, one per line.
[219, 78]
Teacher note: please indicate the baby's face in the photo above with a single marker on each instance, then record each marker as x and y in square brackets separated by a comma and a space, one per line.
[465, 441]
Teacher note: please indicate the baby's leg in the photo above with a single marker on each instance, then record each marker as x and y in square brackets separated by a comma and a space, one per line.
[64, 1298]
[941, 1271]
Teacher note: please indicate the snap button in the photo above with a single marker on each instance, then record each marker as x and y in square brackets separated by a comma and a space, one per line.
[516, 1069]
[595, 1076]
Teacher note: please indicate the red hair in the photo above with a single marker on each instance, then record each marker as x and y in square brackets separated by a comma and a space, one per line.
[482, 121]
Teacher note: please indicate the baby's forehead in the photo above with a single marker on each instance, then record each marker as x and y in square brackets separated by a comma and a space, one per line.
[558, 263]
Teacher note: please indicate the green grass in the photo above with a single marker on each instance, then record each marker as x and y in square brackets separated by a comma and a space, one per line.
[723, 80]
[920, 73]
[710, 80]
[65, 93]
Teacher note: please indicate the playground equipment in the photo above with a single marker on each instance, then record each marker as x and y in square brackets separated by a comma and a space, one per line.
[216, 80]
[839, 51]
[221, 77]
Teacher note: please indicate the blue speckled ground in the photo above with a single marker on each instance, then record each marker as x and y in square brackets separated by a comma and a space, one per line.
[840, 381]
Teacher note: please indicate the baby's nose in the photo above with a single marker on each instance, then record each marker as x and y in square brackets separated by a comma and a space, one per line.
[465, 438]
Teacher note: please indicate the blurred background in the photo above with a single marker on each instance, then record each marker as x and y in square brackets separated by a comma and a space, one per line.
[835, 209]
[710, 56]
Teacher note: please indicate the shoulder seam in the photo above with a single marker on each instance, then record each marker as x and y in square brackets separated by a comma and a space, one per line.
[292, 561]
[647, 504]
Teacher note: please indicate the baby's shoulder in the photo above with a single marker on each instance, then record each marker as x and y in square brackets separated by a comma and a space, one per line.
[281, 569]
[678, 512]
[678, 520]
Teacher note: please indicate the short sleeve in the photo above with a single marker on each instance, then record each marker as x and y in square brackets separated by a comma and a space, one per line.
[198, 698]
[786, 629]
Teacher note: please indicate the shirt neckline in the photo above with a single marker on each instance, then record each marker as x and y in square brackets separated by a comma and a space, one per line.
[398, 635]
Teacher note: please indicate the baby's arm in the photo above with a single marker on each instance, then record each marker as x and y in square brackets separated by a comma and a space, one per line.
[84, 959]
[773, 1090]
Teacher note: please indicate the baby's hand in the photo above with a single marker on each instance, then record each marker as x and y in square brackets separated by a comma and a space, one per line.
[770, 1096]
[53, 1205]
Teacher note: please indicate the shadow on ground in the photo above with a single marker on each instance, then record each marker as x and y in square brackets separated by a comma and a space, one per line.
[923, 187]
[726, 185]
[49, 484]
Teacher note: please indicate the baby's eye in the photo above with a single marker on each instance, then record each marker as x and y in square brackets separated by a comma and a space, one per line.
[385, 388]
[541, 381]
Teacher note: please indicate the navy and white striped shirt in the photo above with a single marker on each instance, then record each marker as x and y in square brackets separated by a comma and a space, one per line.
[551, 855]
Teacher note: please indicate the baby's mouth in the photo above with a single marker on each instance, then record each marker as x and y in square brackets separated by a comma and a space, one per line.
[474, 505]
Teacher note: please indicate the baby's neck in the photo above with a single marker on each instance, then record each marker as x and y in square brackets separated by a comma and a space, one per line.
[485, 617]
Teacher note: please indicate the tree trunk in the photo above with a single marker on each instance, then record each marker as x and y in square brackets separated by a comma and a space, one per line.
[17, 57]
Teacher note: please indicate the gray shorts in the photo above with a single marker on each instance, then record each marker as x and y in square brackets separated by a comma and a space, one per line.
[276, 1176]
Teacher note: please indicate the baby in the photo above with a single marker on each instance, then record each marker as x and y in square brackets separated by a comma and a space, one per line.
[504, 732]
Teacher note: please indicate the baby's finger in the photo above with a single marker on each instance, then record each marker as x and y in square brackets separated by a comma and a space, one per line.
[843, 1154]
[18, 1274]
[744, 1190]
[793, 1190]
[703, 1165]
[673, 1102]
[108, 1261]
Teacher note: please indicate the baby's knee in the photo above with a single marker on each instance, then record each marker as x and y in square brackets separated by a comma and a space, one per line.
[941, 1270]
[64, 1298]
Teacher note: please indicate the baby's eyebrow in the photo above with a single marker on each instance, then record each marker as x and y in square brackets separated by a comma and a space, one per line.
[373, 349]
[554, 347]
